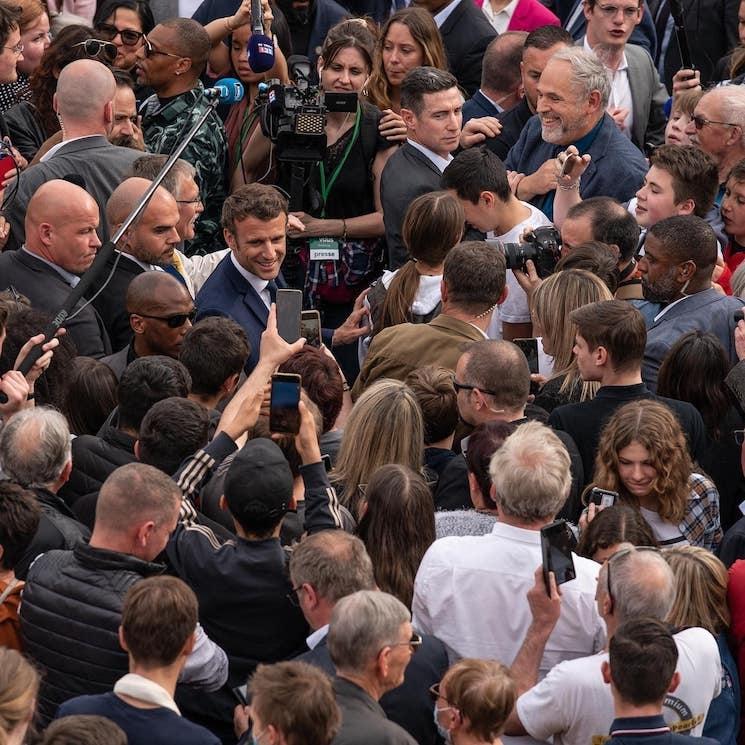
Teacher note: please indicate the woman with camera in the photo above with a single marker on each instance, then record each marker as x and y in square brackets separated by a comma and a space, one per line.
[643, 456]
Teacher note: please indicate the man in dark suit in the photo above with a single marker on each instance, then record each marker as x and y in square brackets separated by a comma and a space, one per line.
[147, 246]
[500, 77]
[326, 567]
[85, 91]
[61, 243]
[245, 282]
[466, 34]
[431, 108]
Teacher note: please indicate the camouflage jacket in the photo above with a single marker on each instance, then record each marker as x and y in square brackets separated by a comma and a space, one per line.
[165, 125]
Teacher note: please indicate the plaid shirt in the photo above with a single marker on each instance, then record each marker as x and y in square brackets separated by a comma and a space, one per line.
[701, 526]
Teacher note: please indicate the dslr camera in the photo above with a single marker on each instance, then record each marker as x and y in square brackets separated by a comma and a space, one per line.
[542, 246]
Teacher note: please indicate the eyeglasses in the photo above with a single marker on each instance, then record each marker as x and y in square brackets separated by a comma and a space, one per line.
[414, 643]
[150, 50]
[610, 11]
[174, 322]
[701, 122]
[17, 49]
[293, 596]
[198, 200]
[615, 557]
[738, 433]
[94, 47]
[468, 387]
[436, 694]
[129, 36]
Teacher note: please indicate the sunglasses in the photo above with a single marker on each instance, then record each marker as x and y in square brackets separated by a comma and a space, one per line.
[94, 47]
[173, 322]
[700, 122]
[150, 50]
[129, 36]
[468, 387]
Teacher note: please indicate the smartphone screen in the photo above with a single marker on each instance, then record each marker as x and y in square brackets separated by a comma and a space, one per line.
[529, 348]
[310, 327]
[284, 415]
[289, 307]
[603, 497]
[556, 546]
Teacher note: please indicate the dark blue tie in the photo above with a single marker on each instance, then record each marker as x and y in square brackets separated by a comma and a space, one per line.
[272, 287]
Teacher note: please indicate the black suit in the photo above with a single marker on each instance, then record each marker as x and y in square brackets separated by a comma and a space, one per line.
[408, 174]
[48, 291]
[477, 106]
[513, 122]
[410, 704]
[111, 303]
[466, 34]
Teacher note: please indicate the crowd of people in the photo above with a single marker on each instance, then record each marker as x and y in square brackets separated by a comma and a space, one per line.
[521, 228]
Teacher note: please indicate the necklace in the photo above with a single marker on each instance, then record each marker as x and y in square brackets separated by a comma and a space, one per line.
[341, 126]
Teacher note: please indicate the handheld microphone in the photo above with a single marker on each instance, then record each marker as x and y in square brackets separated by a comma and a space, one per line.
[227, 90]
[260, 47]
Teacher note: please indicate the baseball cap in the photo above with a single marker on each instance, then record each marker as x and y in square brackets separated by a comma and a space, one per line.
[258, 485]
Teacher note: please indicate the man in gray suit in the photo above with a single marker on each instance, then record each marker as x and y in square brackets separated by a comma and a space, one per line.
[637, 94]
[84, 105]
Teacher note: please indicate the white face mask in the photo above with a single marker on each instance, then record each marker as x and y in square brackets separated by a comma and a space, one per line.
[444, 733]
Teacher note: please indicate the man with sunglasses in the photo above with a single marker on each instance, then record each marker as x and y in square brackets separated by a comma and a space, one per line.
[147, 246]
[160, 313]
[172, 58]
[572, 703]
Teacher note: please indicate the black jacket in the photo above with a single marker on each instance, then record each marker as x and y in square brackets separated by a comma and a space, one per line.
[58, 529]
[70, 617]
[94, 457]
[409, 705]
[513, 122]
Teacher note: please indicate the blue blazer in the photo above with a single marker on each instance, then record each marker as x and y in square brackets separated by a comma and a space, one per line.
[227, 293]
[478, 105]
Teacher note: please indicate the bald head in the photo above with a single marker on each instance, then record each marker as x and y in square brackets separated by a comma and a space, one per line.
[55, 202]
[149, 291]
[124, 198]
[84, 89]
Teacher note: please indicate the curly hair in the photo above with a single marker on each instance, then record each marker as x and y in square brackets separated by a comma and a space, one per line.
[423, 29]
[653, 426]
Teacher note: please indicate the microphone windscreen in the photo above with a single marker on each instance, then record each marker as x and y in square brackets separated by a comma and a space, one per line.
[230, 90]
[260, 53]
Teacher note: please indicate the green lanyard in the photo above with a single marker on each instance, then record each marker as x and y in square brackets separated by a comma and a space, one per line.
[326, 188]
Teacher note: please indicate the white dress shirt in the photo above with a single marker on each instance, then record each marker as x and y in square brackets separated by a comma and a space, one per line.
[499, 19]
[444, 14]
[440, 163]
[620, 91]
[260, 285]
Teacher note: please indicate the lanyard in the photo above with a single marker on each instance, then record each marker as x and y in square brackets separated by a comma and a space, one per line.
[326, 188]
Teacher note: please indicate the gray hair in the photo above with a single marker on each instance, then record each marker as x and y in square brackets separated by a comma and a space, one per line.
[361, 625]
[35, 446]
[643, 584]
[148, 166]
[737, 281]
[588, 72]
[531, 473]
[335, 563]
[731, 102]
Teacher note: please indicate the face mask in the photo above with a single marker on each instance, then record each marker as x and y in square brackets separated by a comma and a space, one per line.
[255, 738]
[444, 733]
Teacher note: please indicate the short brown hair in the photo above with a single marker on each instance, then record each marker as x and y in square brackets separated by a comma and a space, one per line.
[19, 521]
[474, 274]
[83, 729]
[252, 200]
[298, 700]
[499, 367]
[616, 325]
[484, 693]
[158, 617]
[434, 390]
[694, 174]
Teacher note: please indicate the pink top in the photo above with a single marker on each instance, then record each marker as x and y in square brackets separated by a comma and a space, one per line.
[528, 16]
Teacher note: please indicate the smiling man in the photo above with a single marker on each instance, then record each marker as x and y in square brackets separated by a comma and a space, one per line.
[431, 107]
[244, 284]
[573, 93]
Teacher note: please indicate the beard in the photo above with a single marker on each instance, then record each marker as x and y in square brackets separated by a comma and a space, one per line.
[126, 141]
[663, 290]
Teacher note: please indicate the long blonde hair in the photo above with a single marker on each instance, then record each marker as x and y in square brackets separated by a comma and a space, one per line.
[423, 29]
[655, 428]
[19, 684]
[553, 301]
[385, 426]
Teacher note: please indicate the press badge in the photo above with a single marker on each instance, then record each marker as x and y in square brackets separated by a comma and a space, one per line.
[324, 249]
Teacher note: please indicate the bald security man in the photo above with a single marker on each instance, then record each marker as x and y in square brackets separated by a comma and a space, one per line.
[160, 311]
[148, 245]
[61, 243]
[84, 104]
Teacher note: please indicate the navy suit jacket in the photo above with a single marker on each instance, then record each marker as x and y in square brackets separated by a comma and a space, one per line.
[478, 105]
[617, 168]
[409, 705]
[228, 293]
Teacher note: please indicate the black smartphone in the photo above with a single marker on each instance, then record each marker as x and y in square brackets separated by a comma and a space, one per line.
[284, 415]
[739, 316]
[310, 327]
[603, 497]
[239, 692]
[326, 460]
[556, 547]
[289, 307]
[529, 348]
